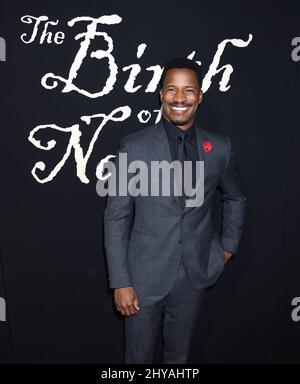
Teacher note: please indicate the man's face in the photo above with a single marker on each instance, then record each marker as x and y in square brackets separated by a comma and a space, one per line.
[180, 96]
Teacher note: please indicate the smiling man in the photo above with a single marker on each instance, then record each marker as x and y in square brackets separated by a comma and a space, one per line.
[180, 95]
[162, 254]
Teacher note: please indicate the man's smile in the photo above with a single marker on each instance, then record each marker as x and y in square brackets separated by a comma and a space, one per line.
[178, 110]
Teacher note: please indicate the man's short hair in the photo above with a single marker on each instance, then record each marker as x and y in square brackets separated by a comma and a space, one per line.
[181, 62]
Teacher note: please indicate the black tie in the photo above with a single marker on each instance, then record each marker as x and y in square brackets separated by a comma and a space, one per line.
[182, 156]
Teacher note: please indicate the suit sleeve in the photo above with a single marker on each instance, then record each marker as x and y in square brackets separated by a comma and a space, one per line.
[118, 214]
[234, 203]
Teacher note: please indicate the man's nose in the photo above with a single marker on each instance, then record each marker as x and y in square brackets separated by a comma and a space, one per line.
[179, 96]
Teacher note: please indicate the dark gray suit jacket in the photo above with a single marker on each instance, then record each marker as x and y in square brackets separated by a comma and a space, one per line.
[145, 236]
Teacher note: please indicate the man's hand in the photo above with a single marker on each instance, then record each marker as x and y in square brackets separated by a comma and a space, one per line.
[227, 256]
[126, 301]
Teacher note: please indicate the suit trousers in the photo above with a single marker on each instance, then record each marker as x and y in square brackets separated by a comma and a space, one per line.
[179, 310]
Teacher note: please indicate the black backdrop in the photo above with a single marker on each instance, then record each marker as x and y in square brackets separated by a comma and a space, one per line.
[53, 271]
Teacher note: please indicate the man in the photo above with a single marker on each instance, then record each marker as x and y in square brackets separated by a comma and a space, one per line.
[161, 253]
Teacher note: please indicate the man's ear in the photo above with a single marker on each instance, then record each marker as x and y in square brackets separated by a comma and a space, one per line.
[200, 96]
[160, 94]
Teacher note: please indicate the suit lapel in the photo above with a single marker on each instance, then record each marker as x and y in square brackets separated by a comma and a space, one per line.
[201, 137]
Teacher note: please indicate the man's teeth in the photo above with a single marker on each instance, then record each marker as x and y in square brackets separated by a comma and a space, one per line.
[180, 108]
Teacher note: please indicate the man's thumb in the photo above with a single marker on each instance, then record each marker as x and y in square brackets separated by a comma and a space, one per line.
[136, 304]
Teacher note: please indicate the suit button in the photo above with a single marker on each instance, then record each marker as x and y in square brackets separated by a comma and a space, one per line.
[179, 242]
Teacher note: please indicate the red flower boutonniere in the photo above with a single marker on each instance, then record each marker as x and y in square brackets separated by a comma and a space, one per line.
[207, 146]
